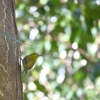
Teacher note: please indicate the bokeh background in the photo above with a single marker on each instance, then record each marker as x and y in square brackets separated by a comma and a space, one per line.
[67, 34]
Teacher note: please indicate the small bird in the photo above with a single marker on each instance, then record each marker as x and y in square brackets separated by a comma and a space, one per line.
[29, 61]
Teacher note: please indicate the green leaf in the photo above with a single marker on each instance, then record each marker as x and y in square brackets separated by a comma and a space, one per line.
[40, 87]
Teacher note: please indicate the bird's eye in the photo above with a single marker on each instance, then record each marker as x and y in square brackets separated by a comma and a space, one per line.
[35, 55]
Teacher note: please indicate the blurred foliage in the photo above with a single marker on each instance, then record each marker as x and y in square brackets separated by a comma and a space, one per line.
[67, 34]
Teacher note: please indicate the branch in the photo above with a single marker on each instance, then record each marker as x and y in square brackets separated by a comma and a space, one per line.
[82, 52]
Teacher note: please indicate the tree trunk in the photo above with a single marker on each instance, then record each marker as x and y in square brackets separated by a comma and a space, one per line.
[10, 73]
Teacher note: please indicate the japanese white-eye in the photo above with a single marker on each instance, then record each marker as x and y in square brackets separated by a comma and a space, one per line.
[29, 61]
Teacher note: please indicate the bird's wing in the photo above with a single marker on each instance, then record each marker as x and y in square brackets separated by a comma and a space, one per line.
[26, 61]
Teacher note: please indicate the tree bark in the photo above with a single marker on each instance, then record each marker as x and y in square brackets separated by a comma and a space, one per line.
[10, 72]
